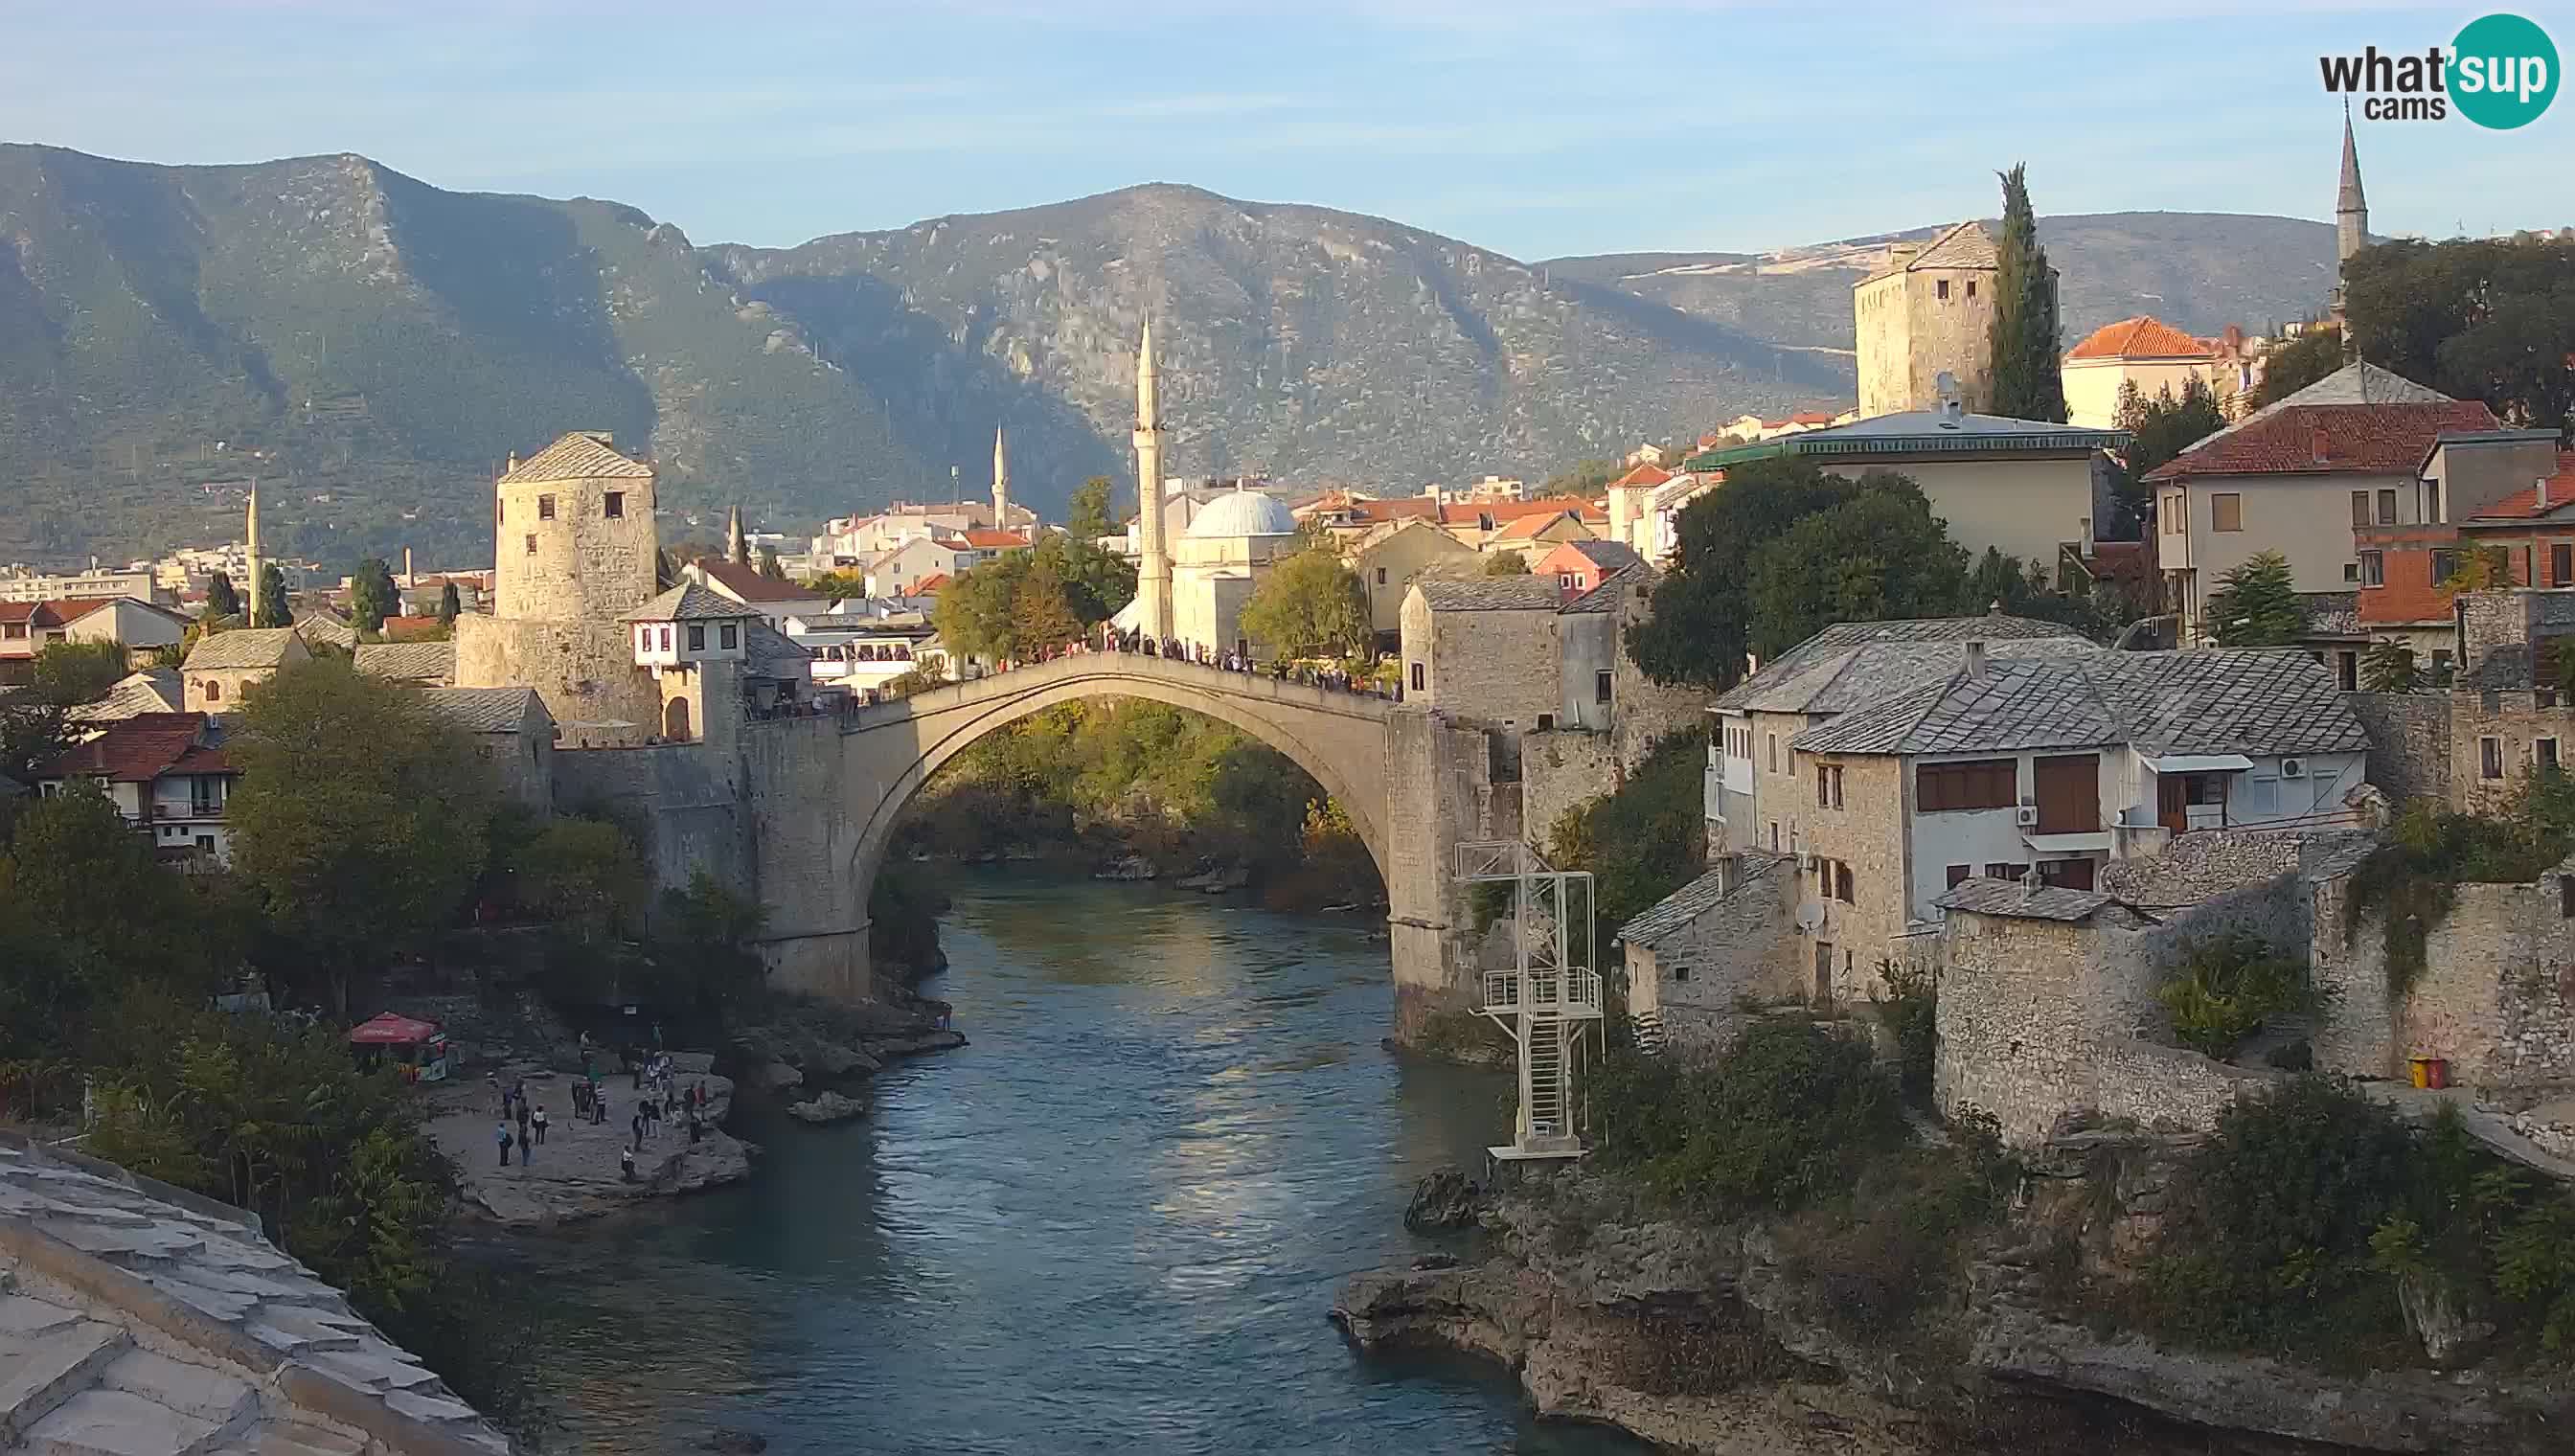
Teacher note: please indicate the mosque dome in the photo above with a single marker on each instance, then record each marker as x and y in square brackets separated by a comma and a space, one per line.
[1241, 513]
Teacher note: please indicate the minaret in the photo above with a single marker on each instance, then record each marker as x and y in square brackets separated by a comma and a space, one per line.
[1001, 483]
[1153, 572]
[249, 554]
[2351, 229]
[737, 546]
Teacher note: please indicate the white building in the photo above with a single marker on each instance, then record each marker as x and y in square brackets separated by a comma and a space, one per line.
[165, 775]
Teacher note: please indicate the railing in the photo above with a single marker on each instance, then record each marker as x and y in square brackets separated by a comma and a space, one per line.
[1566, 992]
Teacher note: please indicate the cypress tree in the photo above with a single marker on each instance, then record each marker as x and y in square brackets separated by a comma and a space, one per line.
[2027, 383]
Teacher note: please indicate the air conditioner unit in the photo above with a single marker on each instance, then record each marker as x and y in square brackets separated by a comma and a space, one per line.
[2293, 768]
[2025, 816]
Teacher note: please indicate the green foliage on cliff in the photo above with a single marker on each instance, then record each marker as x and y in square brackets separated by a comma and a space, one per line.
[1643, 839]
[2298, 1223]
[2226, 987]
[2412, 879]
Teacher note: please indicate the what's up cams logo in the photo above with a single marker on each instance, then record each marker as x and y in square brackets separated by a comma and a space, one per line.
[2501, 73]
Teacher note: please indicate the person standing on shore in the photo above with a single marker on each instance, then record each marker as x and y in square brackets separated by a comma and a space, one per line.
[538, 1118]
[598, 1107]
[523, 1123]
[639, 1132]
[500, 1135]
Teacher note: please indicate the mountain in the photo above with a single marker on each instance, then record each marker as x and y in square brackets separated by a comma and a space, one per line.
[2195, 271]
[371, 347]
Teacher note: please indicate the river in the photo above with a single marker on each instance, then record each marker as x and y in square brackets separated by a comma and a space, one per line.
[1114, 1223]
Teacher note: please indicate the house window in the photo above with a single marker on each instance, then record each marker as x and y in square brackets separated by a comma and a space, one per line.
[1775, 836]
[545, 508]
[2361, 508]
[1546, 722]
[1380, 576]
[696, 637]
[2387, 507]
[2441, 666]
[1600, 687]
[1828, 785]
[2561, 565]
[1957, 875]
[1842, 883]
[2432, 501]
[2445, 564]
[1564, 581]
[1971, 288]
[2351, 571]
[1416, 677]
[2227, 511]
[728, 635]
[1942, 288]
[613, 505]
[1773, 746]
[532, 544]
[2374, 569]
[666, 639]
[1980, 783]
[2347, 668]
[2489, 757]
[2543, 754]
[213, 690]
[2005, 872]
[206, 842]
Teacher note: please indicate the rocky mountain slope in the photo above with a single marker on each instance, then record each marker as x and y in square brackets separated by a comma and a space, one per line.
[371, 347]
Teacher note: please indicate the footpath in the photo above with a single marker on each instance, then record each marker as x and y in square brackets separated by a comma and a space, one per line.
[575, 1174]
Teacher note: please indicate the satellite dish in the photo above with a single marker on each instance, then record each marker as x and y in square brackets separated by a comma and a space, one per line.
[1810, 915]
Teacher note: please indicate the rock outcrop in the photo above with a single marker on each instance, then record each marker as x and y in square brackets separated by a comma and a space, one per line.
[828, 1107]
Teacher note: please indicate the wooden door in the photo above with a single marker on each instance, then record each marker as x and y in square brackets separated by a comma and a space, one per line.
[2069, 793]
[2172, 809]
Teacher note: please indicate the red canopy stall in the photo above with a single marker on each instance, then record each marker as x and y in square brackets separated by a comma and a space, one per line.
[419, 1048]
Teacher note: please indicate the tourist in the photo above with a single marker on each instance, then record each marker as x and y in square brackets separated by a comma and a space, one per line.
[598, 1107]
[626, 1162]
[500, 1135]
[651, 1115]
[696, 1126]
[639, 1132]
[493, 1081]
[523, 1121]
[539, 1118]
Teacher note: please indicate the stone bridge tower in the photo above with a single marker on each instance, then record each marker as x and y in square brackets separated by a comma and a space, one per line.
[574, 551]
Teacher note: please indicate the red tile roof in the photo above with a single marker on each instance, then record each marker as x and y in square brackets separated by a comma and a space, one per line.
[1531, 525]
[141, 748]
[748, 585]
[986, 539]
[37, 613]
[407, 624]
[1644, 474]
[1402, 508]
[2142, 336]
[2524, 503]
[929, 586]
[1469, 512]
[2314, 439]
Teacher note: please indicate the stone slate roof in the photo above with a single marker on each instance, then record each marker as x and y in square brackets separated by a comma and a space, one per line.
[2008, 898]
[1601, 552]
[481, 710]
[1489, 593]
[410, 661]
[153, 690]
[136, 1317]
[249, 647]
[1677, 911]
[1606, 596]
[771, 654]
[2213, 701]
[314, 628]
[584, 454]
[689, 602]
[1852, 664]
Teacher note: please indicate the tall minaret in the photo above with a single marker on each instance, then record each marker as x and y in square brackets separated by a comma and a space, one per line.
[737, 546]
[249, 554]
[2351, 228]
[1001, 483]
[1154, 572]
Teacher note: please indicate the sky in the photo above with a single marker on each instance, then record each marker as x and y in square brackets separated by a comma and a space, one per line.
[1533, 128]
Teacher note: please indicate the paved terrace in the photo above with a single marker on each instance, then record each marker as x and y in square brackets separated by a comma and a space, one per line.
[137, 1319]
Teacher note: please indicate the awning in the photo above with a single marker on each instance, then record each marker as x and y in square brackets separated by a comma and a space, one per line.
[2199, 763]
[390, 1029]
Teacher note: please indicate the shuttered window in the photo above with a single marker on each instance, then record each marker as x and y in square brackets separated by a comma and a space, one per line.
[1980, 783]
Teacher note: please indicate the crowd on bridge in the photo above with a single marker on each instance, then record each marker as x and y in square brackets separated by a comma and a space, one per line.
[1329, 676]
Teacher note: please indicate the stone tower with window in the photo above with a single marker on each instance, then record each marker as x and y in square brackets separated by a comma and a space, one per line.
[1929, 310]
[575, 550]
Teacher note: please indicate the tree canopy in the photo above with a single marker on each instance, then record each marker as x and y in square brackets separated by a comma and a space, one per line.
[359, 821]
[2481, 319]
[2293, 366]
[1093, 512]
[69, 674]
[1023, 602]
[1880, 554]
[373, 596]
[2256, 604]
[1310, 606]
[1507, 564]
[1701, 626]
[2028, 382]
[450, 604]
[221, 598]
[272, 610]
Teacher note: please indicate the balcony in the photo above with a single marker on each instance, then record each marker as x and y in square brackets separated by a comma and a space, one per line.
[1567, 993]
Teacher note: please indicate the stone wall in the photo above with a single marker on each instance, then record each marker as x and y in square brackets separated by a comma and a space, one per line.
[1561, 770]
[2495, 996]
[1698, 977]
[585, 671]
[2518, 722]
[1866, 833]
[677, 799]
[1499, 667]
[2409, 743]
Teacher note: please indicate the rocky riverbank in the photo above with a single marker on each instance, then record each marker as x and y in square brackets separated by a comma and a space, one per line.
[575, 1174]
[1715, 1340]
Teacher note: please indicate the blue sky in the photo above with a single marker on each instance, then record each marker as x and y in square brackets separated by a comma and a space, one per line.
[1537, 128]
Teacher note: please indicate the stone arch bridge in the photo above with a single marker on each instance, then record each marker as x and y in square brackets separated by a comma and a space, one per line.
[824, 795]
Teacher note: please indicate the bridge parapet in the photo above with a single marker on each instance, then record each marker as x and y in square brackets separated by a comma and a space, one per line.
[1255, 686]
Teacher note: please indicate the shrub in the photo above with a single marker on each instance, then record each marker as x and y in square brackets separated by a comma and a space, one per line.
[2226, 987]
[2412, 879]
[1911, 1010]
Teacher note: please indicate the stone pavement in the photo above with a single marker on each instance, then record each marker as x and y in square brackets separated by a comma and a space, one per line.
[2511, 1136]
[137, 1319]
[576, 1174]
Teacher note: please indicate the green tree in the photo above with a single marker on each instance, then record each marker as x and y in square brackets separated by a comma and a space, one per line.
[1041, 617]
[1507, 564]
[1878, 556]
[1096, 583]
[2027, 359]
[768, 566]
[1310, 606]
[977, 610]
[2165, 425]
[2293, 366]
[2388, 666]
[221, 598]
[360, 819]
[1643, 840]
[272, 611]
[582, 874]
[1700, 629]
[2256, 603]
[450, 606]
[2483, 319]
[1582, 478]
[73, 672]
[373, 596]
[1093, 512]
[839, 586]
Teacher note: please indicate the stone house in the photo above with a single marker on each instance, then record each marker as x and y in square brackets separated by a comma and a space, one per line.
[220, 666]
[512, 733]
[1697, 957]
[900, 569]
[25, 630]
[1390, 556]
[1928, 311]
[1485, 647]
[1580, 564]
[2027, 488]
[778, 600]
[165, 772]
[141, 628]
[2297, 477]
[2476, 746]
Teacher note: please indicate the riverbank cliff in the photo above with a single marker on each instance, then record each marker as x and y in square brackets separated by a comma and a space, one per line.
[1734, 1339]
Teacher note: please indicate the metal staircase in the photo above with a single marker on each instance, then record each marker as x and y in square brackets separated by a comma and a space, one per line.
[1548, 997]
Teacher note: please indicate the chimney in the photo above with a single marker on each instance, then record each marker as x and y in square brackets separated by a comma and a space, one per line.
[2542, 487]
[1901, 255]
[1976, 659]
[2317, 445]
[1952, 407]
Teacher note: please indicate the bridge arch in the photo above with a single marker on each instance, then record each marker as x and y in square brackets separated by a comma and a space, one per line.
[1337, 739]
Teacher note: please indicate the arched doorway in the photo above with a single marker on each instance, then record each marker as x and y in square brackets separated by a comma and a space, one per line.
[675, 720]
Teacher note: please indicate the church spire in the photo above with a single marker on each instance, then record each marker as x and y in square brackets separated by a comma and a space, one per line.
[1001, 483]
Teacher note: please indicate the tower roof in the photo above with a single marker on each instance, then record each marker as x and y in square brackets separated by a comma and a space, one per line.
[583, 455]
[2349, 198]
